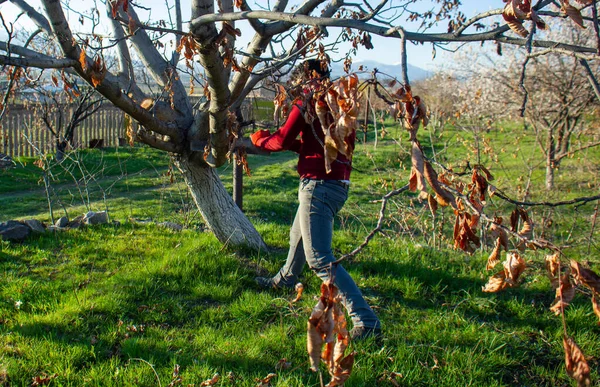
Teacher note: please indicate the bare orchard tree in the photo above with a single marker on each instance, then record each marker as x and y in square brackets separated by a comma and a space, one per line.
[204, 136]
[555, 90]
[562, 101]
[63, 113]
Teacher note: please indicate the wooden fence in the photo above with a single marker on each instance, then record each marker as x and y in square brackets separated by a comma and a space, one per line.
[23, 132]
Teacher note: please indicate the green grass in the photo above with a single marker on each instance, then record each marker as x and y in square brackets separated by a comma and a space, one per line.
[112, 305]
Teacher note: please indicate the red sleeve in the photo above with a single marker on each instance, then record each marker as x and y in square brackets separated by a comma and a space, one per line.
[285, 137]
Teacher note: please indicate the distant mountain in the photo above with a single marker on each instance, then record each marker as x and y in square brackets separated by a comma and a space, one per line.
[414, 73]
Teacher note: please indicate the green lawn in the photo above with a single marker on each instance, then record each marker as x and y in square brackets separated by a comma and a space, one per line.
[122, 305]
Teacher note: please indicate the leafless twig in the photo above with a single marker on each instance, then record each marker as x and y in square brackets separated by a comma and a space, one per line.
[377, 229]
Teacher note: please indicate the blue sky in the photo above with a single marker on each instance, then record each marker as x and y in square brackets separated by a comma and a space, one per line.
[385, 51]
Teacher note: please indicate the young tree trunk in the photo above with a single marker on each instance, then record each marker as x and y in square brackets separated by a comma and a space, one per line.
[61, 147]
[549, 176]
[551, 149]
[219, 211]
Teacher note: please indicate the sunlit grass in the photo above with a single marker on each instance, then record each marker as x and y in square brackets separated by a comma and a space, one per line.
[112, 305]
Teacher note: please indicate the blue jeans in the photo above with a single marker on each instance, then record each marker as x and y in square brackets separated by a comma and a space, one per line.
[310, 242]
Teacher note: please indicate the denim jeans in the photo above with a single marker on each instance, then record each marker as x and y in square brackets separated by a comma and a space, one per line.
[310, 242]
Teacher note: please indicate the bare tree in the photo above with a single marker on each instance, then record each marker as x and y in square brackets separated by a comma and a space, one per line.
[560, 100]
[203, 136]
[62, 116]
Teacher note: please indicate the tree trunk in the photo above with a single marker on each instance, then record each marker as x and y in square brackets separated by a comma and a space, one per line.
[222, 216]
[61, 147]
[549, 176]
[551, 149]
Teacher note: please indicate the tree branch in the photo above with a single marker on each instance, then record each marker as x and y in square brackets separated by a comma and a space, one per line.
[582, 200]
[41, 63]
[377, 228]
[39, 19]
[591, 77]
[494, 35]
[109, 87]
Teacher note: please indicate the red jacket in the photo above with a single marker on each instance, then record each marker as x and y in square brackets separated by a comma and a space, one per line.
[311, 163]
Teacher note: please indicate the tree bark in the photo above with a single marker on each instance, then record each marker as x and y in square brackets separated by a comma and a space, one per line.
[219, 211]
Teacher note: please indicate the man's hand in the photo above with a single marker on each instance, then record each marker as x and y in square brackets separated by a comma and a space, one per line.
[256, 136]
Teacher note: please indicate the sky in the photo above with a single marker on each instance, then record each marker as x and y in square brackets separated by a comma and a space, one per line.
[385, 50]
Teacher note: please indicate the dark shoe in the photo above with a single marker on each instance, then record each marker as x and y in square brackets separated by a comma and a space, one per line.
[265, 282]
[361, 333]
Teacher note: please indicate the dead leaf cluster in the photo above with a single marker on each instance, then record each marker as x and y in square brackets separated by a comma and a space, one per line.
[328, 338]
[337, 108]
[96, 71]
[514, 265]
[516, 11]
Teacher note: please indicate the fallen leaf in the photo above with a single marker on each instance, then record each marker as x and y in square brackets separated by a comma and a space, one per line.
[43, 379]
[212, 381]
[299, 289]
[266, 381]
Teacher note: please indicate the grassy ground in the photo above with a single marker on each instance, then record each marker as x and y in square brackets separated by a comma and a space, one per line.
[122, 305]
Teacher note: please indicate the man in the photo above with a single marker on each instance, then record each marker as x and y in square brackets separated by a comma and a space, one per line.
[321, 195]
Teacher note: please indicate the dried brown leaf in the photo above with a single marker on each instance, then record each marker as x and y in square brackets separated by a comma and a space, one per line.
[553, 269]
[464, 237]
[83, 60]
[433, 204]
[585, 276]
[514, 219]
[266, 381]
[417, 180]
[564, 295]
[314, 343]
[42, 380]
[443, 197]
[577, 366]
[494, 257]
[573, 13]
[516, 25]
[498, 232]
[231, 30]
[496, 283]
[342, 371]
[330, 152]
[480, 184]
[596, 306]
[514, 267]
[299, 289]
